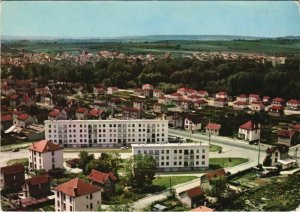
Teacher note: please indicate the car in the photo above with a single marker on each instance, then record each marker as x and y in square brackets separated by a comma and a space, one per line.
[16, 150]
[124, 147]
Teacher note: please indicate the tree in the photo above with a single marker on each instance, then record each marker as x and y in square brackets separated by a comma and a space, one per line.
[84, 160]
[140, 171]
[219, 186]
[39, 172]
[107, 162]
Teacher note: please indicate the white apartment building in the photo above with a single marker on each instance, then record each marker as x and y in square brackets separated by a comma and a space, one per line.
[45, 155]
[176, 156]
[106, 133]
[77, 195]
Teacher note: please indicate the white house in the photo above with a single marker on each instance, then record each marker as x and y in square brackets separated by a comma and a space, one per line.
[176, 156]
[77, 195]
[45, 155]
[249, 131]
[213, 128]
[107, 133]
[192, 123]
[112, 90]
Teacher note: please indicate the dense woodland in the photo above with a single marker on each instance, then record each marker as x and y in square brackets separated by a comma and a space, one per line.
[236, 77]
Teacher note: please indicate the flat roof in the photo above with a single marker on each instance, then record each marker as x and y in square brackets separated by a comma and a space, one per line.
[110, 120]
[172, 145]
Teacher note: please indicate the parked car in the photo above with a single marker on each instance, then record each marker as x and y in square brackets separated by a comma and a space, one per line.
[16, 150]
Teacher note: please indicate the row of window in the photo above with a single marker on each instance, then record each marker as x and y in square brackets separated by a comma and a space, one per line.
[175, 151]
[107, 125]
[153, 140]
[180, 163]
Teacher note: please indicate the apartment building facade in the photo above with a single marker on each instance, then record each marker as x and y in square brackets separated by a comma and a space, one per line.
[105, 133]
[176, 156]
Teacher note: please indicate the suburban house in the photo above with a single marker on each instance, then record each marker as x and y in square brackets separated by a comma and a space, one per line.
[131, 113]
[157, 93]
[288, 137]
[45, 155]
[213, 129]
[147, 90]
[200, 104]
[57, 115]
[12, 176]
[206, 179]
[27, 101]
[266, 100]
[276, 110]
[192, 197]
[73, 163]
[177, 120]
[242, 98]
[293, 104]
[278, 155]
[105, 181]
[257, 106]
[185, 104]
[278, 102]
[77, 195]
[37, 186]
[192, 123]
[249, 131]
[186, 91]
[220, 102]
[239, 105]
[23, 120]
[174, 96]
[202, 94]
[112, 90]
[81, 113]
[194, 98]
[253, 98]
[165, 101]
[6, 122]
[98, 90]
[138, 104]
[221, 95]
[160, 108]
[95, 114]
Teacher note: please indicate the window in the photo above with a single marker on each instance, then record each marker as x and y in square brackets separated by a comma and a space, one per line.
[64, 206]
[203, 156]
[71, 208]
[175, 151]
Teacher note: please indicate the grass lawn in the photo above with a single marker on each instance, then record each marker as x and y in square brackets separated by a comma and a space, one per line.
[214, 148]
[245, 179]
[23, 161]
[95, 149]
[165, 181]
[216, 163]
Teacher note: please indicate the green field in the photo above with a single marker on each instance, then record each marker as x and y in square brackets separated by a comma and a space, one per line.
[225, 162]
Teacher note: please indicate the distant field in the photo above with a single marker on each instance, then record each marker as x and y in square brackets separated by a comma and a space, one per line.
[271, 47]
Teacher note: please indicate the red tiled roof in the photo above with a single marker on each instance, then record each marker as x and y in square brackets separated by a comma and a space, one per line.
[213, 126]
[297, 127]
[286, 133]
[220, 100]
[276, 107]
[193, 96]
[249, 125]
[54, 113]
[175, 94]
[221, 93]
[202, 92]
[44, 146]
[294, 101]
[215, 173]
[16, 168]
[195, 192]
[16, 112]
[36, 180]
[266, 97]
[14, 97]
[23, 116]
[26, 98]
[76, 187]
[95, 112]
[202, 209]
[240, 103]
[256, 103]
[277, 99]
[81, 110]
[6, 118]
[101, 177]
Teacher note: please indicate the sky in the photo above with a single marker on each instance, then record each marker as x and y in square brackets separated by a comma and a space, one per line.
[131, 18]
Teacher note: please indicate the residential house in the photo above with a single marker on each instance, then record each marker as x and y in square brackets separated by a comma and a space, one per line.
[278, 155]
[147, 90]
[95, 114]
[14, 100]
[213, 128]
[221, 95]
[200, 104]
[192, 122]
[276, 110]
[7, 90]
[220, 102]
[288, 137]
[12, 177]
[112, 90]
[160, 108]
[138, 92]
[157, 93]
[205, 180]
[253, 98]
[185, 104]
[192, 197]
[131, 113]
[293, 104]
[203, 94]
[257, 106]
[45, 155]
[242, 98]
[165, 101]
[23, 120]
[57, 115]
[174, 96]
[105, 181]
[194, 98]
[278, 102]
[266, 100]
[6, 122]
[177, 120]
[238, 105]
[249, 131]
[77, 195]
[81, 113]
[97, 90]
[27, 101]
[186, 91]
[37, 187]
[73, 163]
[138, 104]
